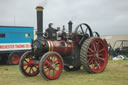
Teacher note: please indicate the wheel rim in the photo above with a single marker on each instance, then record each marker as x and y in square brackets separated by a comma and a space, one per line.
[29, 67]
[15, 59]
[97, 55]
[52, 66]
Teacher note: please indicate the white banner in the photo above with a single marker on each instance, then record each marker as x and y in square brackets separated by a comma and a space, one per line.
[14, 46]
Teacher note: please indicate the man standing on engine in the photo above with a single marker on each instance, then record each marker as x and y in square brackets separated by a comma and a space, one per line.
[51, 33]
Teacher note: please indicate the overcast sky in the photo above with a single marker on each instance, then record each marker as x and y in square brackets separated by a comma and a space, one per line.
[105, 16]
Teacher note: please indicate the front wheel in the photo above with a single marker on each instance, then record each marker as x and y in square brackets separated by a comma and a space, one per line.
[51, 65]
[27, 65]
[94, 55]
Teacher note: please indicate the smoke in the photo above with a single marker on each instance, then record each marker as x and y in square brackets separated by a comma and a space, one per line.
[74, 18]
[43, 3]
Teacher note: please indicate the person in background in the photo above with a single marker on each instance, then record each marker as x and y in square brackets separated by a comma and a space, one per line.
[111, 51]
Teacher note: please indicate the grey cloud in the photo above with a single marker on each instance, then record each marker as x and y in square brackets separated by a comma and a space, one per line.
[105, 16]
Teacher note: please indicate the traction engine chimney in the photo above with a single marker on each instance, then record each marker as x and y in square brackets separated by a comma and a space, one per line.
[39, 33]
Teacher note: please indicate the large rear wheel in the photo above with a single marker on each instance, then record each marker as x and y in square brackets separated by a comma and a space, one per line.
[51, 66]
[94, 55]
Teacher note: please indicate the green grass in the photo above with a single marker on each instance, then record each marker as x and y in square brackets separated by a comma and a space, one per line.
[116, 73]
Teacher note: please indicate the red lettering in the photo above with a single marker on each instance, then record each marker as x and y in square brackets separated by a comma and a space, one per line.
[28, 46]
[15, 46]
[19, 46]
[6, 46]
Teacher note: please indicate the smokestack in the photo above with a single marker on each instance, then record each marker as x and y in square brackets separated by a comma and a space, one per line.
[70, 27]
[39, 10]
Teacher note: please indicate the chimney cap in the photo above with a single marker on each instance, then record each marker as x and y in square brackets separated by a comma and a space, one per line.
[70, 22]
[39, 8]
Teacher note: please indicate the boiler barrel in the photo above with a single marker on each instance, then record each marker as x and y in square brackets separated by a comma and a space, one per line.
[62, 47]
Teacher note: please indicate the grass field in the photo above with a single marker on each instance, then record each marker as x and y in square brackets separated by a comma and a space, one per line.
[116, 73]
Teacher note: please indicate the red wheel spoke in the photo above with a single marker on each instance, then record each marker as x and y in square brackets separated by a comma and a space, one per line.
[97, 46]
[25, 64]
[91, 50]
[97, 60]
[91, 55]
[101, 58]
[47, 62]
[94, 46]
[30, 70]
[101, 54]
[25, 60]
[57, 63]
[91, 61]
[33, 70]
[50, 59]
[89, 58]
[36, 65]
[54, 60]
[101, 50]
[26, 68]
[48, 70]
[97, 64]
[54, 72]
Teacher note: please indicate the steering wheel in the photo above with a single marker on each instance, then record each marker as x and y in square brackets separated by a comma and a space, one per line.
[82, 32]
[96, 34]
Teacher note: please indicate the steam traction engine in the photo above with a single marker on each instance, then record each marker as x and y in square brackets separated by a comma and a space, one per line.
[51, 55]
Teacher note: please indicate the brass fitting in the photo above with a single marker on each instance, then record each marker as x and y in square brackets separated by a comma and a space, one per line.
[39, 8]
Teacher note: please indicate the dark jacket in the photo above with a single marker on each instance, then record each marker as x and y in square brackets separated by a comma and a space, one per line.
[52, 33]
